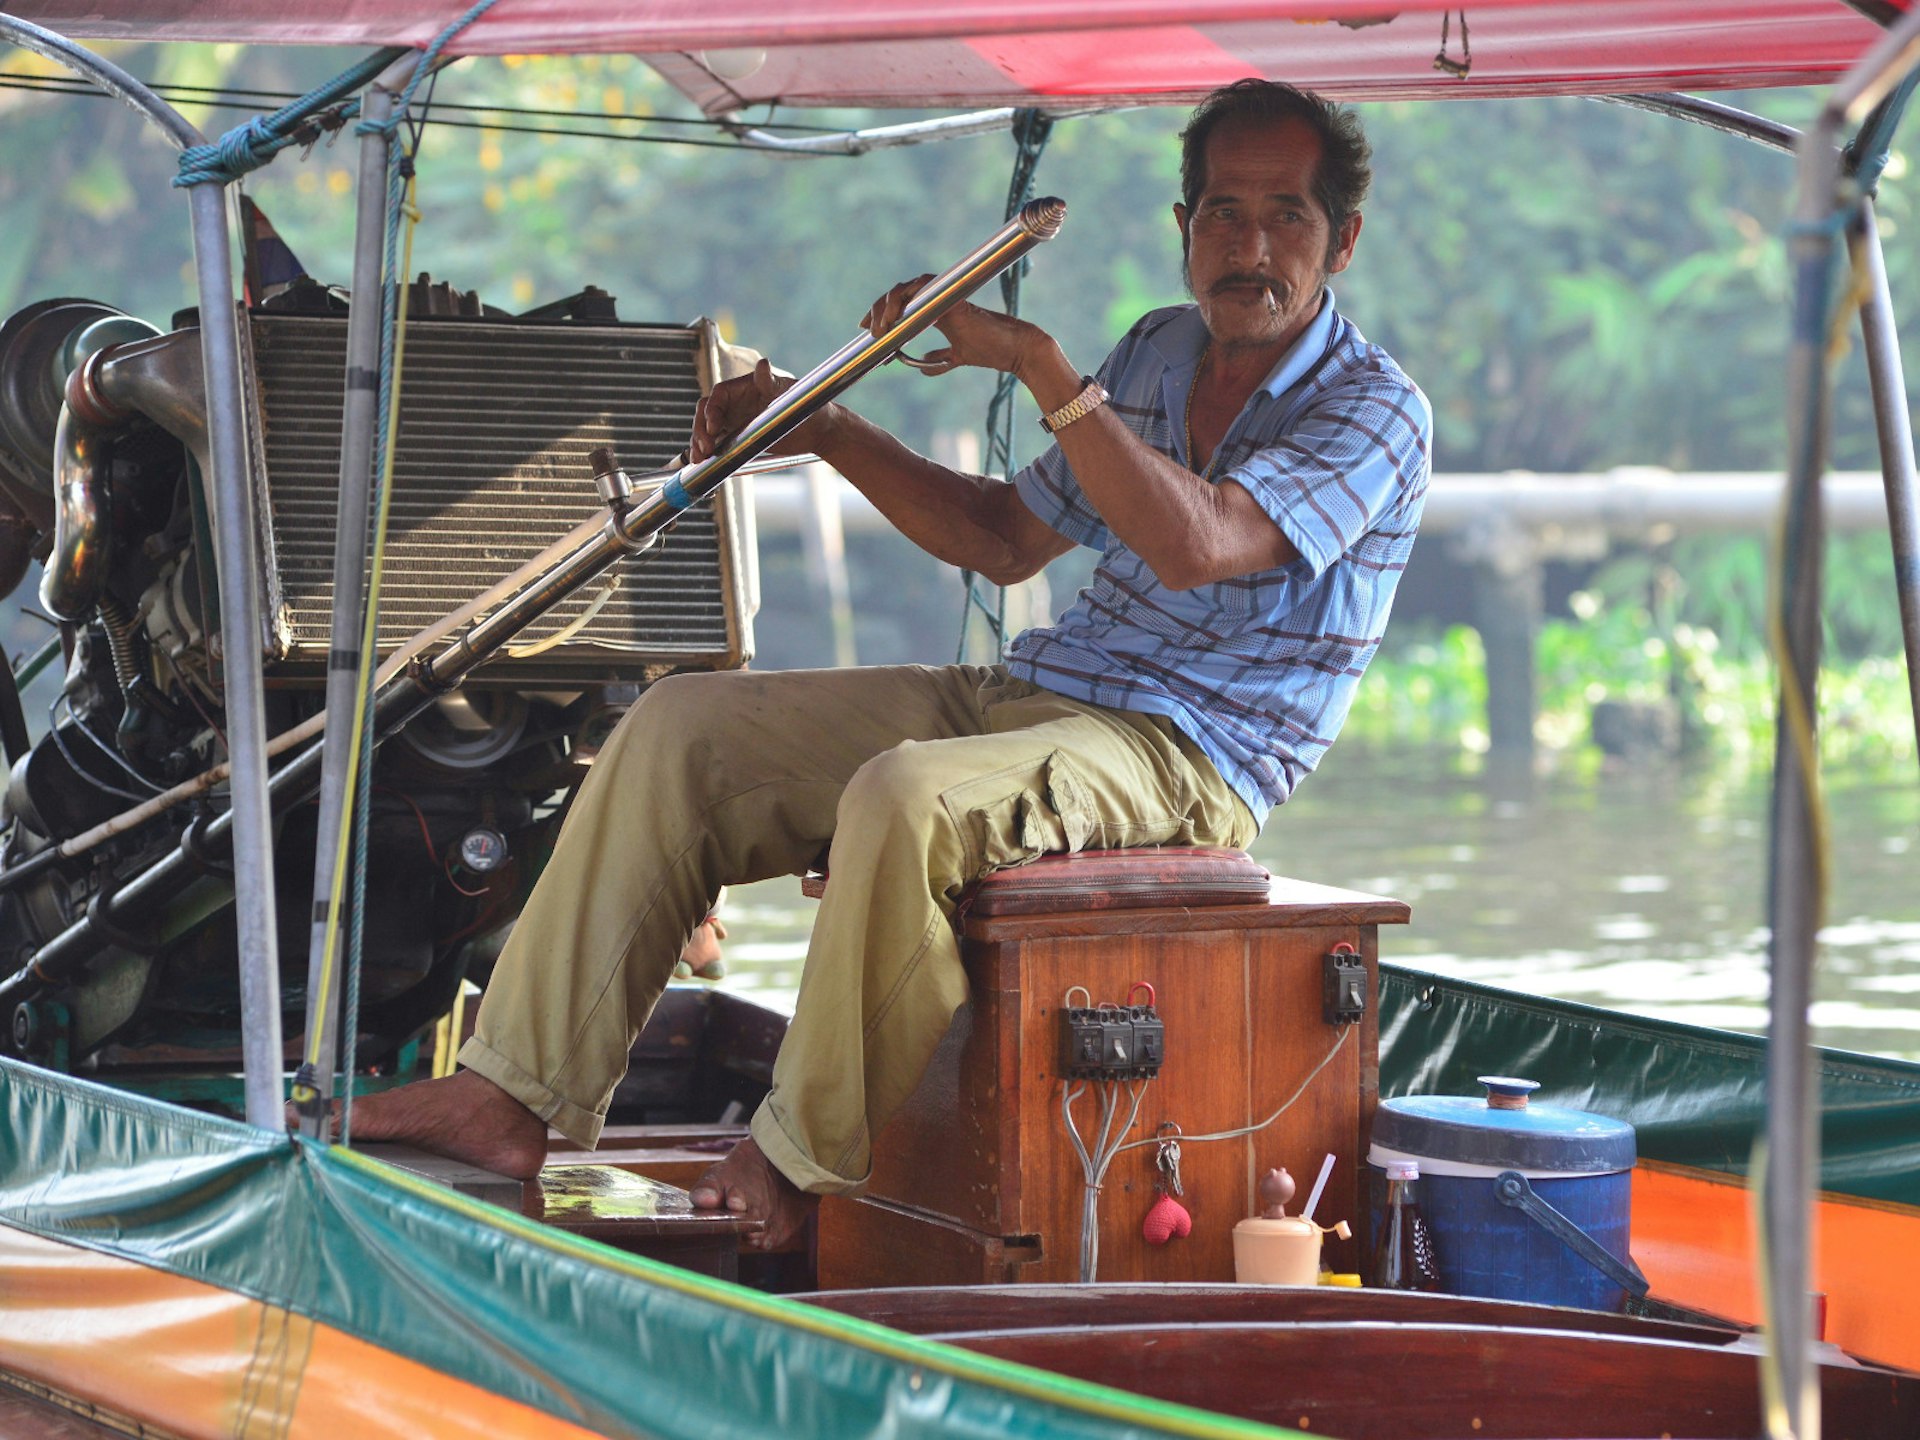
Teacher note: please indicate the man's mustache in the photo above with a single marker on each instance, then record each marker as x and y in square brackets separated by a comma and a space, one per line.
[1244, 280]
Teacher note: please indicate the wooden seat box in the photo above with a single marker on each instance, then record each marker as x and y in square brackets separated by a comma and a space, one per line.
[976, 1181]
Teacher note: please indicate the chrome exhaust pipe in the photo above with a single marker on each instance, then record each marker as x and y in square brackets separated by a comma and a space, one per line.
[158, 378]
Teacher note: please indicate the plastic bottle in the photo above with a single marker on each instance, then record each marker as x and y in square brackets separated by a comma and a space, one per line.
[1403, 1258]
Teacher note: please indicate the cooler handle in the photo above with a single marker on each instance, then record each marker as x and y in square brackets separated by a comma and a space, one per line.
[1510, 1187]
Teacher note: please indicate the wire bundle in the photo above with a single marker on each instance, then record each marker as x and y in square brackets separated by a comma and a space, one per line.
[1094, 1163]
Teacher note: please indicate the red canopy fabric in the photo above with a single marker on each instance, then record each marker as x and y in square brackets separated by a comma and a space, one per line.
[1582, 49]
[938, 53]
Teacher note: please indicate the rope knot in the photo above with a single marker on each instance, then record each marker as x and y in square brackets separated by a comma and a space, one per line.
[387, 126]
[240, 151]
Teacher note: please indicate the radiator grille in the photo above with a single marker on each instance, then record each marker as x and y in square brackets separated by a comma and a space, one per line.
[490, 468]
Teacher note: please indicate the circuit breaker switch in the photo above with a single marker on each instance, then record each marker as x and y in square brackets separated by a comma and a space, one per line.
[1344, 996]
[1081, 1043]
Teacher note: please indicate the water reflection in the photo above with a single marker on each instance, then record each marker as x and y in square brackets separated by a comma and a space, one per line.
[1637, 890]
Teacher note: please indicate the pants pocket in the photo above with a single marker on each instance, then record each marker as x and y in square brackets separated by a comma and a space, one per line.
[1010, 819]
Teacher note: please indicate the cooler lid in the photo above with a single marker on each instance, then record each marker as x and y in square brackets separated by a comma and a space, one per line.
[1503, 1131]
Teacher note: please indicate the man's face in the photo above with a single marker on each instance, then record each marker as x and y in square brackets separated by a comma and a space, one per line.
[1257, 232]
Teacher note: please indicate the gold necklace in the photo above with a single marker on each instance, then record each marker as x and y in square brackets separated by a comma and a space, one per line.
[1187, 419]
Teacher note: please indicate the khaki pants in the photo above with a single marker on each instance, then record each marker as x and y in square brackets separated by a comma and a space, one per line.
[923, 780]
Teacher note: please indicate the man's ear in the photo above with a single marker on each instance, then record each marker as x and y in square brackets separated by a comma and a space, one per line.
[1180, 217]
[1343, 250]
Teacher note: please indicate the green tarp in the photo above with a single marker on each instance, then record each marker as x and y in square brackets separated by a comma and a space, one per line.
[616, 1344]
[1696, 1097]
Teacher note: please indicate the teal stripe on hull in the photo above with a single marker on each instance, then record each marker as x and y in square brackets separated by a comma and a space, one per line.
[616, 1344]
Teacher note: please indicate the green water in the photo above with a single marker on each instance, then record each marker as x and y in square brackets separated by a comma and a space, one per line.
[1639, 889]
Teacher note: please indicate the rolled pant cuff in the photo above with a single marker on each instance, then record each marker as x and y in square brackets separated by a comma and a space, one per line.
[578, 1125]
[791, 1161]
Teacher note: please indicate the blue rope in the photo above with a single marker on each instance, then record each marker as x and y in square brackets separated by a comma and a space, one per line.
[247, 147]
[420, 72]
[1869, 151]
[1030, 131]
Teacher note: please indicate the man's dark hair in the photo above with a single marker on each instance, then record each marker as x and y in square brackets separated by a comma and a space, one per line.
[1339, 181]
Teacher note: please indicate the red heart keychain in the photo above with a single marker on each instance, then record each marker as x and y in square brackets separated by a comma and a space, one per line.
[1168, 1218]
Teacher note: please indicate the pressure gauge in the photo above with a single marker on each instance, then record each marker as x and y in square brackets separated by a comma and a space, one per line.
[483, 851]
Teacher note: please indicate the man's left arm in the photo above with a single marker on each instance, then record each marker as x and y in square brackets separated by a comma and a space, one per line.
[1189, 531]
[1361, 450]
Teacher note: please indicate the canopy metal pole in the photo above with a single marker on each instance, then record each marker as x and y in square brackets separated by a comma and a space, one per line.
[236, 553]
[1825, 202]
[1889, 382]
[1713, 114]
[913, 132]
[359, 422]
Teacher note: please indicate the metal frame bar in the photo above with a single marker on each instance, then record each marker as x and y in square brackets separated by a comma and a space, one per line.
[1887, 377]
[360, 422]
[1711, 113]
[236, 554]
[887, 137]
[1824, 192]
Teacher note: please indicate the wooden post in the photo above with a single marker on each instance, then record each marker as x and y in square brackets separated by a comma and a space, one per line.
[1507, 605]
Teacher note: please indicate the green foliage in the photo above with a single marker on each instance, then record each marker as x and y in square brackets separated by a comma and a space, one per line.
[1431, 689]
[1424, 689]
[1721, 584]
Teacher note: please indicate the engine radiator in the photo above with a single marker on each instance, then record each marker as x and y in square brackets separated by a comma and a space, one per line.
[496, 419]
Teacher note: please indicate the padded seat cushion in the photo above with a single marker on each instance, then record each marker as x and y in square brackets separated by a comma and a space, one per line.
[1172, 877]
[1164, 877]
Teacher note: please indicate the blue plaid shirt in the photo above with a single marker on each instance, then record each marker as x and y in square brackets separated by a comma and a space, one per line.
[1259, 670]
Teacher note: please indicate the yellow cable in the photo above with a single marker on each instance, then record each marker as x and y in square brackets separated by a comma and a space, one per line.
[1798, 721]
[357, 734]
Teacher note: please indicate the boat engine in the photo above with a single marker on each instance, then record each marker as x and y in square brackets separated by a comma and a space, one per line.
[102, 478]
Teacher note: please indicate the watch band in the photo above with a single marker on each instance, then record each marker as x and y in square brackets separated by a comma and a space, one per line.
[1091, 397]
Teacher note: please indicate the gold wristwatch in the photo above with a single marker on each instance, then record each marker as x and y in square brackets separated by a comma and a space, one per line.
[1091, 397]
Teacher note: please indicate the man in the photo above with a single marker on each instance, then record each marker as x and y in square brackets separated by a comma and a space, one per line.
[1252, 471]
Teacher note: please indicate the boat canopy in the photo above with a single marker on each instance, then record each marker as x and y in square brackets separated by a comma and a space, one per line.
[1072, 53]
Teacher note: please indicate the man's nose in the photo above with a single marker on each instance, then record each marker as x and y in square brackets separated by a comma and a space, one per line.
[1251, 246]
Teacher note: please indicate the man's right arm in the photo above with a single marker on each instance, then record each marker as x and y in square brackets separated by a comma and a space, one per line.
[971, 521]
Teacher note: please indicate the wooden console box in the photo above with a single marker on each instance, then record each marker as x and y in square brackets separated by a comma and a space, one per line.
[975, 1180]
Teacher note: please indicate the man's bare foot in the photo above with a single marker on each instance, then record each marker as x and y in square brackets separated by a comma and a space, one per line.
[746, 1183]
[464, 1116]
[701, 958]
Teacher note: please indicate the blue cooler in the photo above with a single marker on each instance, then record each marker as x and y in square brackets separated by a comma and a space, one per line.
[1525, 1202]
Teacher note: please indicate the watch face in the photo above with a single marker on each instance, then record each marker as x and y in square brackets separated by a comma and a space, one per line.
[483, 850]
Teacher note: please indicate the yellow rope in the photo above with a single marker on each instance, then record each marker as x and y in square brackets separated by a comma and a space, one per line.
[357, 734]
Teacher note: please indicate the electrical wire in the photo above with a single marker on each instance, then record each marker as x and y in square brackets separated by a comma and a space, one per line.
[206, 718]
[1094, 1164]
[572, 628]
[242, 97]
[496, 127]
[53, 728]
[1285, 1105]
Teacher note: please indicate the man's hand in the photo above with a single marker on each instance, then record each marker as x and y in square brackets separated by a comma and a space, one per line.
[974, 336]
[731, 404]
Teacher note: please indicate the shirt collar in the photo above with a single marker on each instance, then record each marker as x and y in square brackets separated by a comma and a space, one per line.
[1182, 343]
